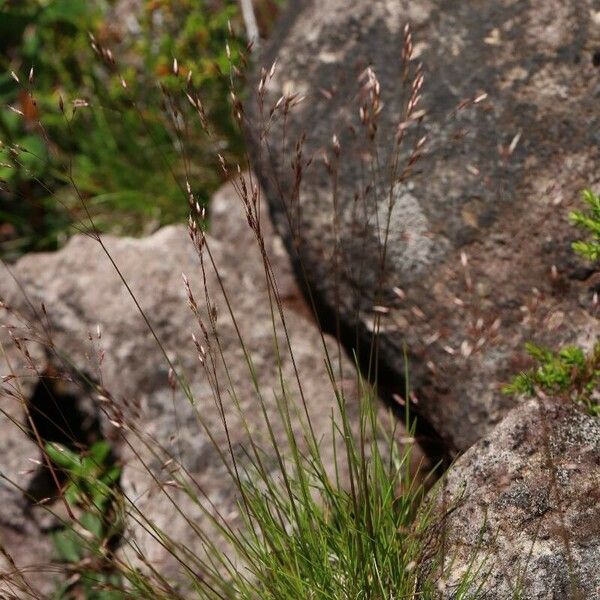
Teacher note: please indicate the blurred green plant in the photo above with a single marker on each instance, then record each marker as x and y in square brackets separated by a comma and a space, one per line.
[84, 543]
[66, 117]
[589, 221]
[570, 372]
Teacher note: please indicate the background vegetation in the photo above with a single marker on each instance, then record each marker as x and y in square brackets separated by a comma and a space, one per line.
[65, 115]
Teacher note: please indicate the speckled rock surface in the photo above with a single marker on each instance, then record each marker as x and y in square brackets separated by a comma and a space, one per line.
[83, 296]
[521, 509]
[479, 239]
[21, 526]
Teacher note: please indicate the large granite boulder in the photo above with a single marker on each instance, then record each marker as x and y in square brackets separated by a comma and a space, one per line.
[160, 435]
[520, 510]
[479, 240]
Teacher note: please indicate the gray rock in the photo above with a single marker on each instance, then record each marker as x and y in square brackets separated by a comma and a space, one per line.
[147, 415]
[479, 239]
[520, 510]
[26, 548]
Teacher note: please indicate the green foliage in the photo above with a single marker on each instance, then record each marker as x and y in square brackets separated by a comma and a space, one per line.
[91, 477]
[84, 542]
[128, 158]
[589, 221]
[569, 373]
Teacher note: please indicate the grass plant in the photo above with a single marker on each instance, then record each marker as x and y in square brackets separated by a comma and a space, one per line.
[347, 530]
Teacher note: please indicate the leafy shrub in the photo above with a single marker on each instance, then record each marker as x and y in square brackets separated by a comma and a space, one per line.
[569, 373]
[589, 221]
